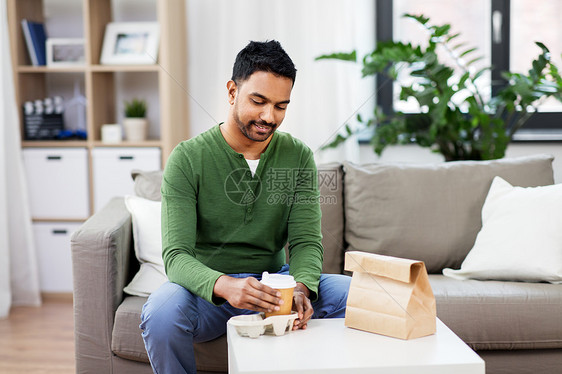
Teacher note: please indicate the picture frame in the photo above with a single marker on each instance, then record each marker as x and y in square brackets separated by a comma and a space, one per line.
[65, 51]
[130, 43]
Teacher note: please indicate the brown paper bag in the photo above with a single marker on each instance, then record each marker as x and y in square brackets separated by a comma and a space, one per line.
[389, 296]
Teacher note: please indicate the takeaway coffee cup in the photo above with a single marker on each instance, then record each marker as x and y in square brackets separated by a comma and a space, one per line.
[286, 285]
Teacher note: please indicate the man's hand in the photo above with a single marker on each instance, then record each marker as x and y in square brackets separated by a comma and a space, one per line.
[247, 293]
[302, 305]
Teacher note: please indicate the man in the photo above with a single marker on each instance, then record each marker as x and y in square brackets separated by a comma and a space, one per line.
[231, 199]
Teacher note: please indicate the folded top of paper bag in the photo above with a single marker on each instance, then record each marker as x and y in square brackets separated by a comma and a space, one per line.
[385, 266]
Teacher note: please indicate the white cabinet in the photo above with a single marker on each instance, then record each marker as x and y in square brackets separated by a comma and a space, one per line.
[112, 170]
[57, 180]
[52, 243]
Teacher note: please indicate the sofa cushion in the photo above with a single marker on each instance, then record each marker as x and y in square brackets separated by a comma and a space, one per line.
[428, 212]
[330, 182]
[491, 315]
[147, 184]
[126, 339]
[514, 220]
[148, 246]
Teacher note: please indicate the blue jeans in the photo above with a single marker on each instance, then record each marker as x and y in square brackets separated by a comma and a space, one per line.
[173, 319]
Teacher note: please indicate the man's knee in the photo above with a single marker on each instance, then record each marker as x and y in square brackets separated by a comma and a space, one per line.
[333, 296]
[165, 313]
[340, 287]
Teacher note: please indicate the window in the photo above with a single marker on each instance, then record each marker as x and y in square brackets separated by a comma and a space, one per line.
[529, 23]
[466, 17]
[504, 32]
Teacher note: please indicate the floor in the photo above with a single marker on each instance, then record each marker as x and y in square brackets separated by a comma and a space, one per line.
[37, 340]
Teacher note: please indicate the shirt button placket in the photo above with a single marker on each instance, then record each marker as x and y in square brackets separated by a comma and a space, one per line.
[249, 213]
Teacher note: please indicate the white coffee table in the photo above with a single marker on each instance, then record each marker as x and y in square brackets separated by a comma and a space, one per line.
[327, 346]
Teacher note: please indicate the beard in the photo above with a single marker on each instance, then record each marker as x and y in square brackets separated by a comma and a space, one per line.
[254, 133]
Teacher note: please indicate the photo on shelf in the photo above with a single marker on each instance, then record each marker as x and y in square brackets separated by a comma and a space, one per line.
[65, 51]
[130, 43]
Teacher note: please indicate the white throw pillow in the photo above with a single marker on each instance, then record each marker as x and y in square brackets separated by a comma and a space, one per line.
[521, 236]
[148, 245]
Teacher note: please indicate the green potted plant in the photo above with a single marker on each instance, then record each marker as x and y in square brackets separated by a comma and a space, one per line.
[456, 120]
[135, 122]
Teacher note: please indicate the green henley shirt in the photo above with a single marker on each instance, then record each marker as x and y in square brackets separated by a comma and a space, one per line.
[217, 219]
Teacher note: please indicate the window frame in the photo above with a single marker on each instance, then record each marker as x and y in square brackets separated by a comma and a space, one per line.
[542, 126]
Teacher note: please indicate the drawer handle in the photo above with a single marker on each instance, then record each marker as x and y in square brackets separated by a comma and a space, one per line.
[60, 232]
[126, 158]
[54, 157]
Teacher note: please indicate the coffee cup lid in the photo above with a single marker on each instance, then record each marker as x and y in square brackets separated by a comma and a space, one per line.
[278, 280]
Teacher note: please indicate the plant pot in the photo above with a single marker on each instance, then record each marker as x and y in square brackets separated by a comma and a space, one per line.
[135, 129]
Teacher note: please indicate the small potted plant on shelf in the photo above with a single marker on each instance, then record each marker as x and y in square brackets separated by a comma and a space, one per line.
[135, 123]
[456, 118]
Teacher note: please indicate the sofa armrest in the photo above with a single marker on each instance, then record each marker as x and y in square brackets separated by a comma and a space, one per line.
[101, 249]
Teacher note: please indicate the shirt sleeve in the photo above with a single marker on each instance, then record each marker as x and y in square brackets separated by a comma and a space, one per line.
[304, 228]
[179, 229]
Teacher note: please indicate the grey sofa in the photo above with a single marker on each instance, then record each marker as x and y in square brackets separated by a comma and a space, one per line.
[426, 212]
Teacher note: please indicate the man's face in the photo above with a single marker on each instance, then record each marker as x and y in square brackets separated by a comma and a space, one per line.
[260, 103]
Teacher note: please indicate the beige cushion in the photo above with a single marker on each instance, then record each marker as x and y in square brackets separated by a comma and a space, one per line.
[147, 184]
[330, 182]
[522, 361]
[428, 212]
[500, 315]
[126, 340]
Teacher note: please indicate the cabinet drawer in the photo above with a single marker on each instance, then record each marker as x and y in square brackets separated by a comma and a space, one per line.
[112, 170]
[52, 243]
[57, 182]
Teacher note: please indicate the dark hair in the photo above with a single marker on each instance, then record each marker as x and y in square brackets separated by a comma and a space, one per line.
[263, 56]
